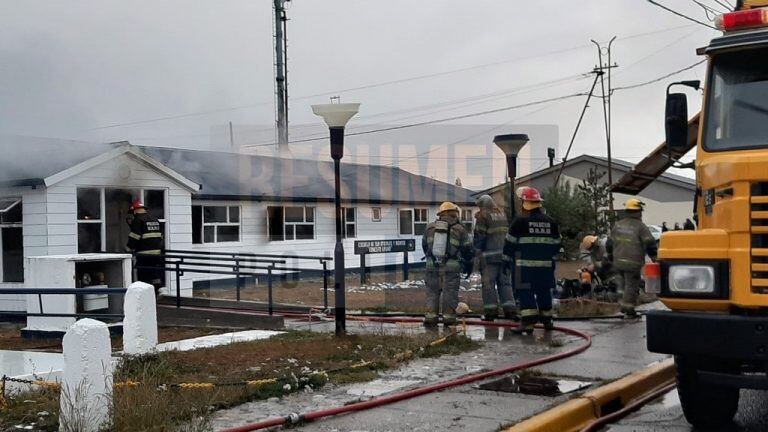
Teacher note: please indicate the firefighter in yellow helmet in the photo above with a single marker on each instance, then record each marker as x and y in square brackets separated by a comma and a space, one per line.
[630, 241]
[448, 252]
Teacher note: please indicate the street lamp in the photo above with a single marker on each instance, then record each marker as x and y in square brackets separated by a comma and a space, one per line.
[511, 145]
[336, 117]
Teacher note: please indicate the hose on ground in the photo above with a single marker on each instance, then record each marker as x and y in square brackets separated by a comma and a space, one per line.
[633, 406]
[419, 391]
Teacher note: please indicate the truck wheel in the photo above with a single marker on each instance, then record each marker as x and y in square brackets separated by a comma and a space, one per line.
[706, 406]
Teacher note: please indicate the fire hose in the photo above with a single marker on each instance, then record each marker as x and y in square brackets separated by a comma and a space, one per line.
[419, 391]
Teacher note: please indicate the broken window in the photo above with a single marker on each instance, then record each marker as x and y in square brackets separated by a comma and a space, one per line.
[215, 224]
[11, 241]
[290, 223]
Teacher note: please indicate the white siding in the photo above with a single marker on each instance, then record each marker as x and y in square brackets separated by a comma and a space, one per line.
[35, 234]
[62, 203]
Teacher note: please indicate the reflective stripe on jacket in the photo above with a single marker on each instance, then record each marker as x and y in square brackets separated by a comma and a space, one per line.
[490, 229]
[532, 243]
[146, 235]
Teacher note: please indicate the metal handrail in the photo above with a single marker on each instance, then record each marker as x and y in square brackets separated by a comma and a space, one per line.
[62, 291]
[249, 254]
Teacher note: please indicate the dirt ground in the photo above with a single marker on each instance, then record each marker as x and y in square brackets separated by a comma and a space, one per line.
[10, 338]
[309, 292]
[290, 362]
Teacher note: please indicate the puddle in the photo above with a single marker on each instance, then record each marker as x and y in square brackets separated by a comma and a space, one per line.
[670, 400]
[534, 385]
[379, 387]
[216, 340]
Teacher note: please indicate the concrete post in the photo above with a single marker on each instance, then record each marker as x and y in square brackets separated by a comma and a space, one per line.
[140, 322]
[86, 388]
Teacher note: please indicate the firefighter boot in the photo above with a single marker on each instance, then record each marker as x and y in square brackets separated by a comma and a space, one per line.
[490, 312]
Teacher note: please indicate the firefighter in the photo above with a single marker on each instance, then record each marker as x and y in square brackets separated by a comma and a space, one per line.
[448, 251]
[630, 241]
[490, 230]
[146, 241]
[531, 245]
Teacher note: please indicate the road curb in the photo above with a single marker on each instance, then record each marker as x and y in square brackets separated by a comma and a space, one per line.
[577, 413]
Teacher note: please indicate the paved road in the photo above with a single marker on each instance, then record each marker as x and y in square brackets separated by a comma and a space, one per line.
[618, 349]
[666, 415]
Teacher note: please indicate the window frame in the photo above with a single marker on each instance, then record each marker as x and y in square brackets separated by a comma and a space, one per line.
[102, 212]
[11, 225]
[375, 210]
[312, 223]
[422, 222]
[345, 222]
[468, 222]
[215, 225]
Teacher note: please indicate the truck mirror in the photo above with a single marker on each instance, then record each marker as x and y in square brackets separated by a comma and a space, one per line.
[676, 122]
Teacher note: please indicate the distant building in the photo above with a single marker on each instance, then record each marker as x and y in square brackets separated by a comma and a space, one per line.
[669, 198]
[67, 198]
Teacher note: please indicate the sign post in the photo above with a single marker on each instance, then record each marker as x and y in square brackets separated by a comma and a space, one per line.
[364, 247]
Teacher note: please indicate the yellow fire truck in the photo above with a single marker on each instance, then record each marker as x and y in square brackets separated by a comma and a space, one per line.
[715, 279]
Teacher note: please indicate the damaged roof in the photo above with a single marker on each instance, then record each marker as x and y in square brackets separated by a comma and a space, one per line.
[231, 175]
[30, 161]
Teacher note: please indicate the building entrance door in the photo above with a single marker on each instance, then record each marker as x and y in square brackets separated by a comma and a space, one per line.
[116, 210]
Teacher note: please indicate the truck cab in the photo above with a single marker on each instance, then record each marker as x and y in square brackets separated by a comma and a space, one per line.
[715, 279]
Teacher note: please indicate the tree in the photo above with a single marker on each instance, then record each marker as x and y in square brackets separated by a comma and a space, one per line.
[596, 191]
[571, 209]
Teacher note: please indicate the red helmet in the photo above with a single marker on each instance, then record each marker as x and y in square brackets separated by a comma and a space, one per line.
[531, 194]
[137, 204]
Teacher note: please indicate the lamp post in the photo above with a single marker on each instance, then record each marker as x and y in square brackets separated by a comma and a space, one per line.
[336, 117]
[511, 145]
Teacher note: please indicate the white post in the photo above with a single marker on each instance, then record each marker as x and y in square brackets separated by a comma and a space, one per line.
[140, 322]
[86, 388]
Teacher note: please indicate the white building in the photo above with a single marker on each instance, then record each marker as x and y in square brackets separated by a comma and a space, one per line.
[73, 198]
[668, 198]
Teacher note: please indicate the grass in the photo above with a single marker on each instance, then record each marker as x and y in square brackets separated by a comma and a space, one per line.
[296, 360]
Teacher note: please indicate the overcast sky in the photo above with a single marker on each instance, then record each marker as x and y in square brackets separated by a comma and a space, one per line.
[68, 68]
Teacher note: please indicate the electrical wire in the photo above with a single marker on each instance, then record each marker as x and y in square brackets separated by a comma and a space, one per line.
[661, 78]
[374, 85]
[680, 14]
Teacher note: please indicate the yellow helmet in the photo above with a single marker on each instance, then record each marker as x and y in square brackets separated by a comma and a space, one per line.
[446, 207]
[462, 308]
[633, 204]
[588, 241]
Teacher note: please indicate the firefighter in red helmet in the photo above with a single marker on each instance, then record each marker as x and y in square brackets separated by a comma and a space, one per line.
[531, 245]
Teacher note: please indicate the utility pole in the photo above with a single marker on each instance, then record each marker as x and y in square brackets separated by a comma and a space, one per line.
[606, 98]
[281, 76]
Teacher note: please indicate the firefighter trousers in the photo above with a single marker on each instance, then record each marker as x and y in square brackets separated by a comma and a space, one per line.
[628, 284]
[441, 281]
[497, 287]
[535, 299]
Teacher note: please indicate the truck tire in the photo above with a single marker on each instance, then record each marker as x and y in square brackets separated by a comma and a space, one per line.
[706, 406]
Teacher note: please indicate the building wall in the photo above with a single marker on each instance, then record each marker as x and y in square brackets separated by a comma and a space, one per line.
[62, 203]
[665, 202]
[35, 232]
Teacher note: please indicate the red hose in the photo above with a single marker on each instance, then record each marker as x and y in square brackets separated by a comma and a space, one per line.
[396, 397]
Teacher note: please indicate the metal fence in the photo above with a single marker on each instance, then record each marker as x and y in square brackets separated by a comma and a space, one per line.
[237, 264]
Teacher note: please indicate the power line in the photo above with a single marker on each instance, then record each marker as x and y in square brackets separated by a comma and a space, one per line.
[661, 77]
[680, 14]
[374, 85]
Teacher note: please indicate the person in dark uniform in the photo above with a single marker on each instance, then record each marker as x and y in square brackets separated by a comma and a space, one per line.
[448, 251]
[531, 245]
[146, 241]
